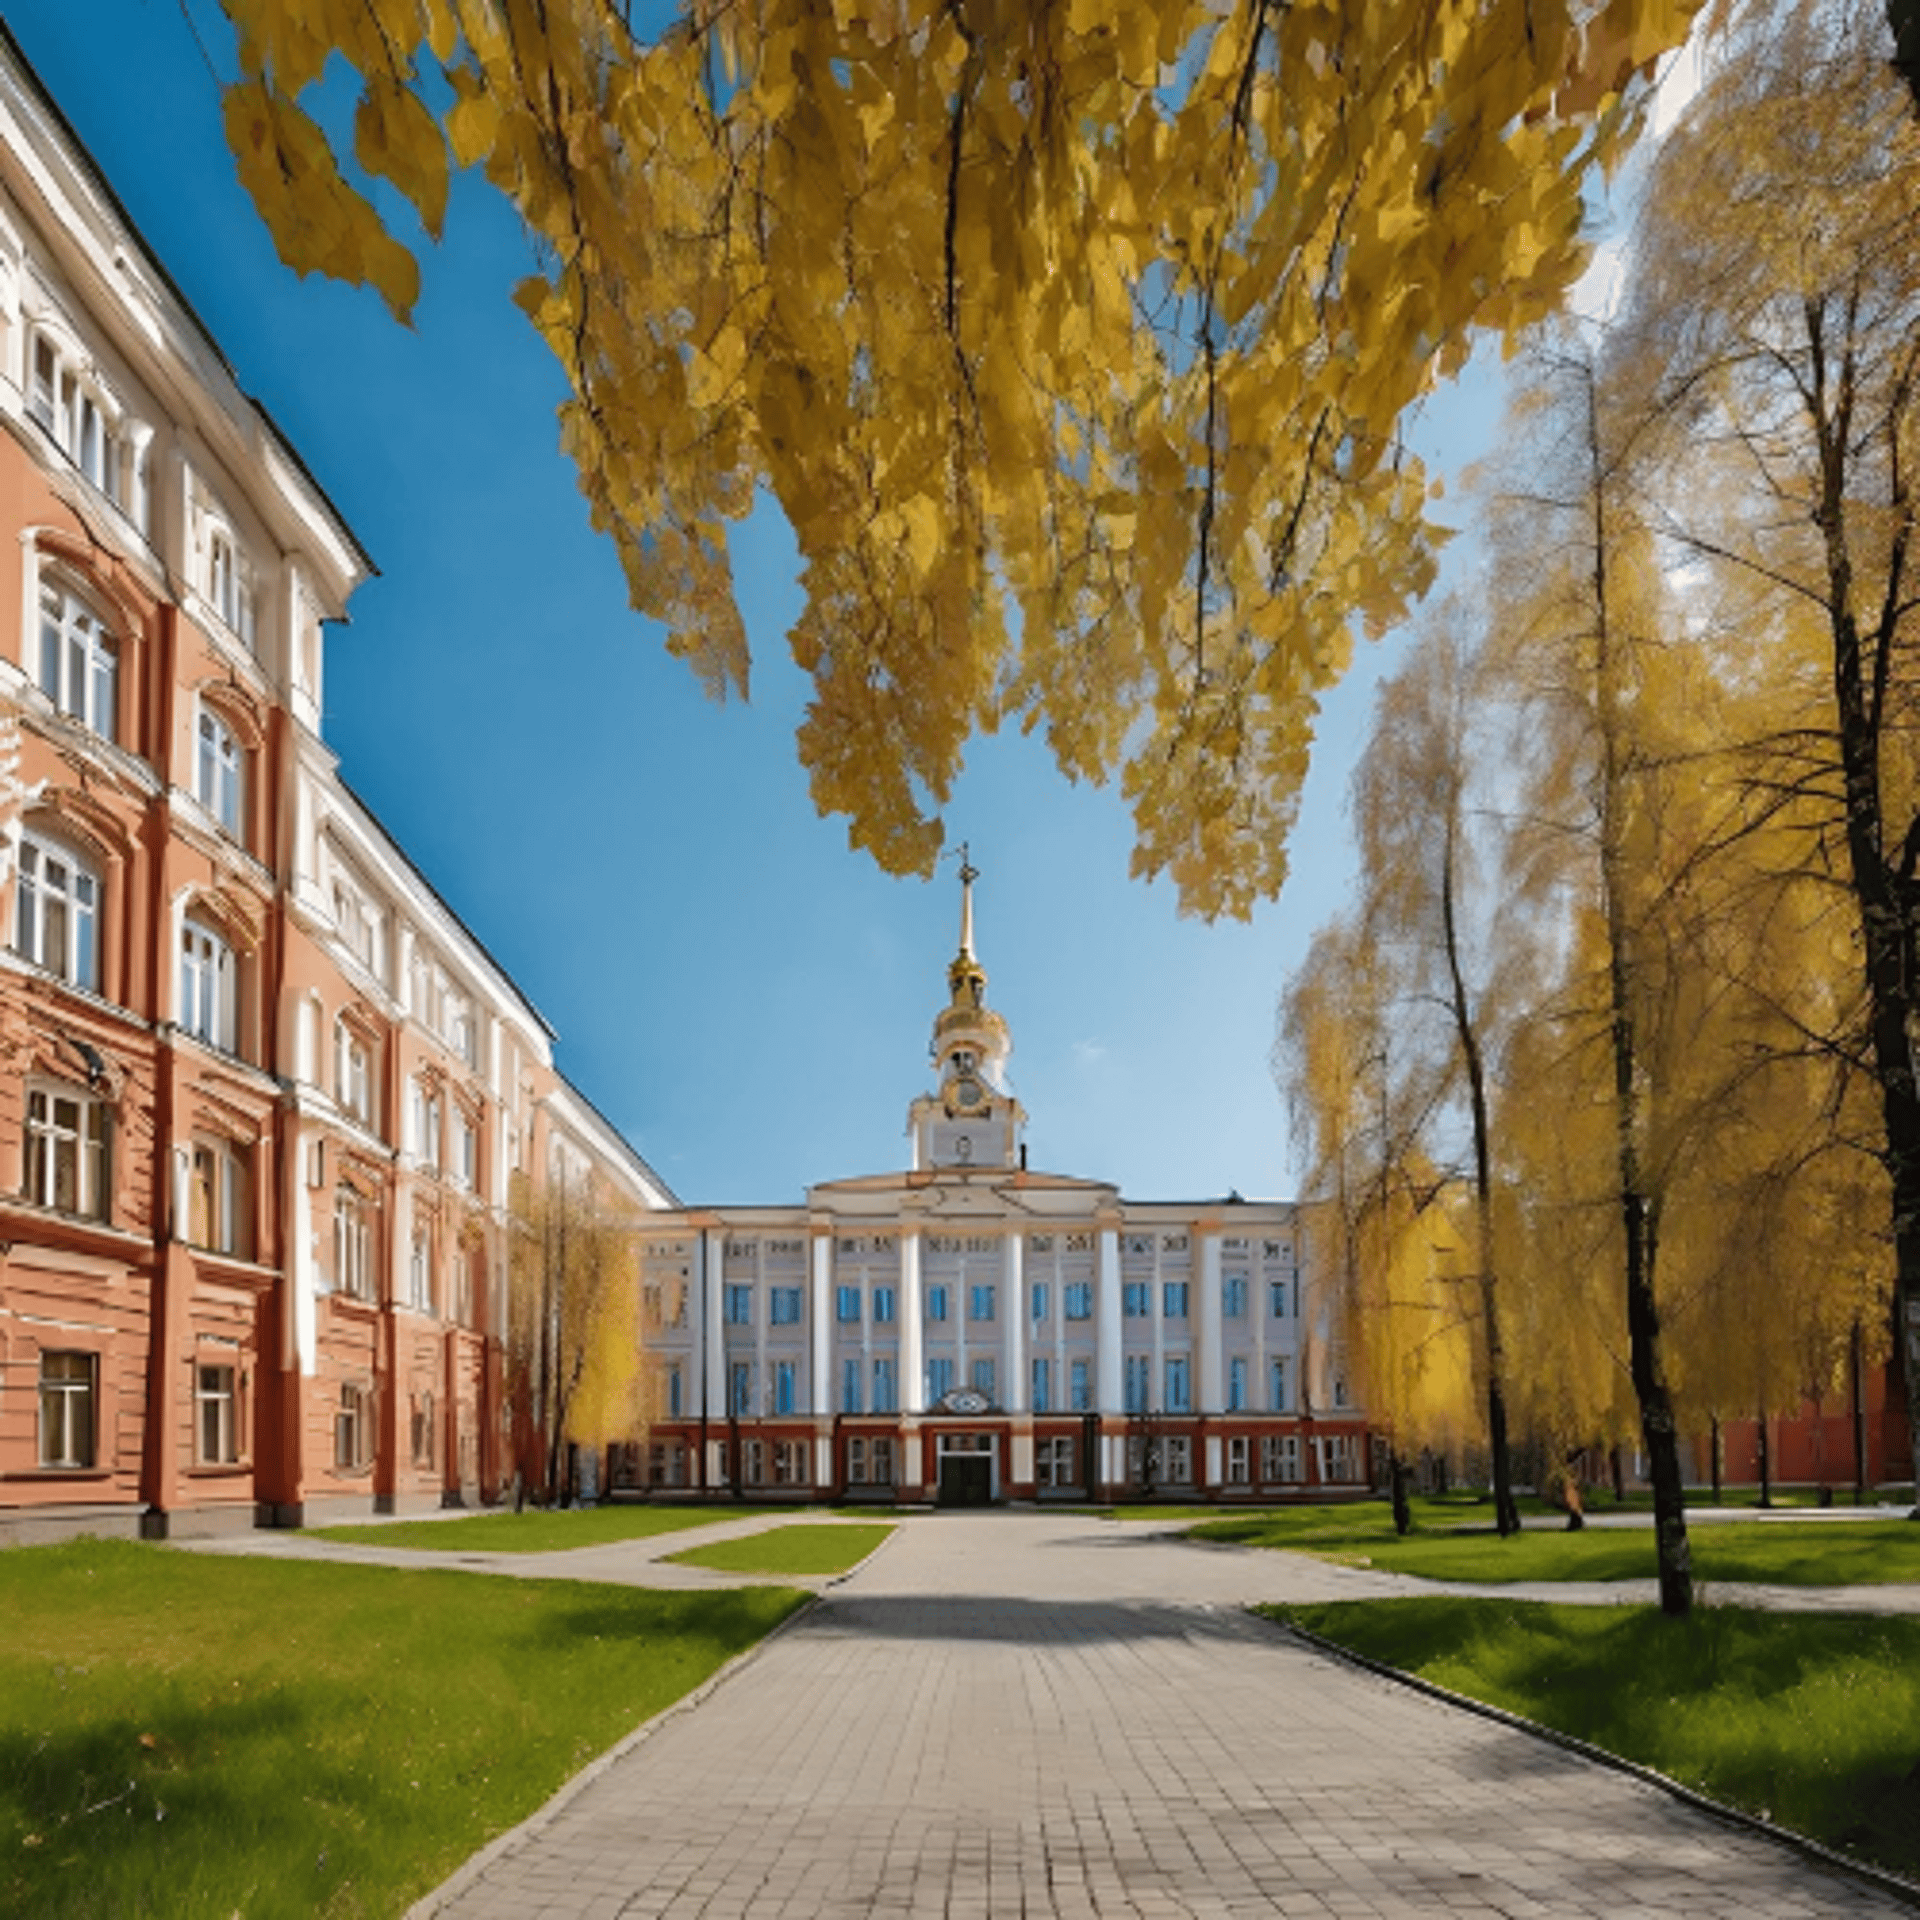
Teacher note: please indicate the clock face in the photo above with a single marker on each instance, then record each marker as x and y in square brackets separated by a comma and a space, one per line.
[967, 1092]
[966, 1400]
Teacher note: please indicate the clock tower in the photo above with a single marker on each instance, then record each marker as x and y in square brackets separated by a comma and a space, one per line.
[972, 1120]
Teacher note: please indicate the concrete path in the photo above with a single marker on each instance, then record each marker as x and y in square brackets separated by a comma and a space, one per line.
[1051, 1714]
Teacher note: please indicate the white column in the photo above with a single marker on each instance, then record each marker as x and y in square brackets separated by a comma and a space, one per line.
[913, 1368]
[1013, 1291]
[1108, 1396]
[1207, 1328]
[713, 1338]
[820, 1306]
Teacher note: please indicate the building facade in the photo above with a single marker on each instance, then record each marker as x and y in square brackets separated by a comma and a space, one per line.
[972, 1330]
[262, 1095]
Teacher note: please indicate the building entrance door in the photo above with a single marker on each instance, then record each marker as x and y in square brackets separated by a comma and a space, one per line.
[966, 1469]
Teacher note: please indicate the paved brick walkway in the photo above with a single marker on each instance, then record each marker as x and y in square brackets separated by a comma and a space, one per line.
[1041, 1714]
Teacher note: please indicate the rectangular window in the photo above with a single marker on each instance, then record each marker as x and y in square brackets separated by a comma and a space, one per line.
[982, 1376]
[740, 1388]
[846, 1307]
[1080, 1386]
[885, 1394]
[980, 1304]
[856, 1462]
[352, 1074]
[1179, 1389]
[883, 1462]
[217, 1198]
[426, 1126]
[755, 1455]
[783, 1386]
[1134, 1298]
[69, 1408]
[936, 1303]
[676, 1392]
[882, 1306]
[1173, 1299]
[466, 1151]
[216, 1416]
[420, 1271]
[739, 1305]
[1179, 1456]
[1277, 1386]
[1237, 1384]
[939, 1379]
[1039, 1299]
[1053, 1463]
[1139, 1373]
[1279, 1458]
[1043, 1386]
[850, 1386]
[1077, 1298]
[216, 770]
[352, 1244]
[67, 1137]
[1277, 1298]
[1237, 1474]
[56, 913]
[79, 664]
[353, 1429]
[206, 986]
[783, 1306]
[424, 1426]
[790, 1463]
[1233, 1296]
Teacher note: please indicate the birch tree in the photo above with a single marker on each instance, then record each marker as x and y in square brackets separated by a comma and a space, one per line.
[1073, 341]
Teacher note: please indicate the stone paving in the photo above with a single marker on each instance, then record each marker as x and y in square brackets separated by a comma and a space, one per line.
[1051, 1714]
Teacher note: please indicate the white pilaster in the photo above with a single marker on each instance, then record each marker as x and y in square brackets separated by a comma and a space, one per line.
[713, 1338]
[1207, 1329]
[820, 1395]
[1108, 1395]
[913, 1366]
[1013, 1292]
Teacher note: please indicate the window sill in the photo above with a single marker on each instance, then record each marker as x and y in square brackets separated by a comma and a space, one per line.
[45, 1474]
[220, 1470]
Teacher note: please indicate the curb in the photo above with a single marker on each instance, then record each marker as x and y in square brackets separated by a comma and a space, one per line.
[544, 1816]
[1883, 1879]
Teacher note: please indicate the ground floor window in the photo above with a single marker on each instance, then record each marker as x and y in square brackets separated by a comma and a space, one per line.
[754, 1453]
[1279, 1457]
[667, 1464]
[1339, 1458]
[1237, 1475]
[1178, 1454]
[1053, 1463]
[353, 1429]
[216, 1415]
[69, 1403]
[423, 1430]
[883, 1462]
[790, 1463]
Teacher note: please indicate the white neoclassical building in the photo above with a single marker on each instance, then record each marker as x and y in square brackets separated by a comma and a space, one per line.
[973, 1330]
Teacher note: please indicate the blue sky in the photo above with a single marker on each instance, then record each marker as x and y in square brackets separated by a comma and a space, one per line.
[745, 997]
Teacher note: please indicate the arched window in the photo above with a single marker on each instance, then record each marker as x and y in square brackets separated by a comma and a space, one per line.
[79, 659]
[217, 767]
[208, 985]
[230, 583]
[56, 912]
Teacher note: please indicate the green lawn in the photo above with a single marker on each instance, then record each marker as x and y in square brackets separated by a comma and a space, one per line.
[813, 1550]
[1787, 1553]
[1811, 1720]
[186, 1735]
[539, 1529]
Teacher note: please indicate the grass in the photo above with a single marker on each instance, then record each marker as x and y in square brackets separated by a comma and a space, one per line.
[1811, 1720]
[1780, 1553]
[811, 1550]
[538, 1529]
[187, 1735]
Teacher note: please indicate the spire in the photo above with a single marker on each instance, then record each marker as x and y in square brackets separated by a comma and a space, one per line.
[969, 873]
[966, 977]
